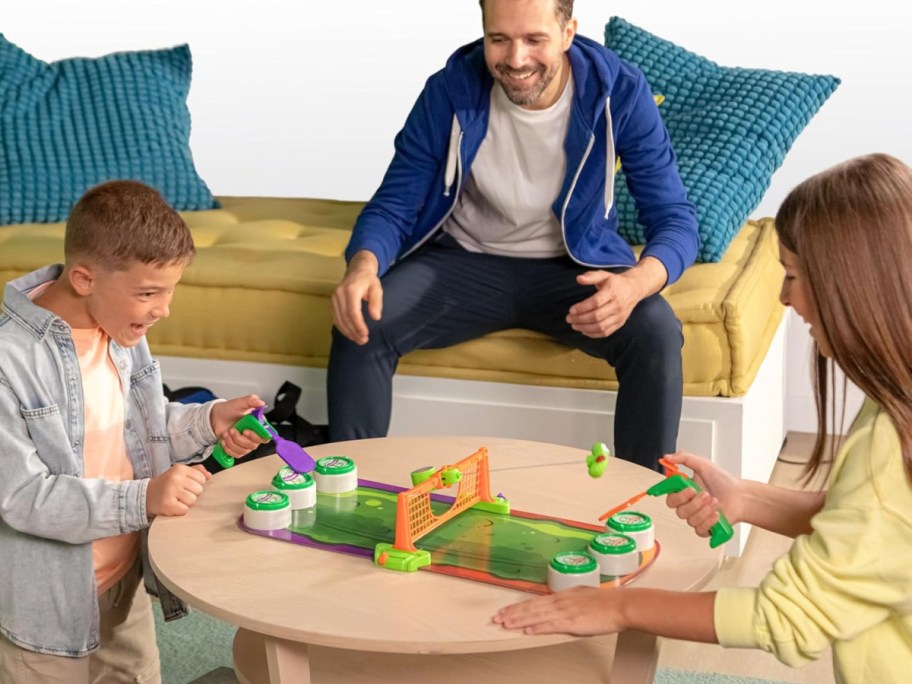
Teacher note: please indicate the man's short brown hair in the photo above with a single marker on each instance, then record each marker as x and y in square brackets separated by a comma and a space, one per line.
[122, 222]
[562, 8]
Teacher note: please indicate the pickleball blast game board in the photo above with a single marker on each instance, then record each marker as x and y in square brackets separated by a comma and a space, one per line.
[511, 550]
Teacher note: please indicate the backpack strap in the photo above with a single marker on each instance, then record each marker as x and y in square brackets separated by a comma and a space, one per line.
[284, 417]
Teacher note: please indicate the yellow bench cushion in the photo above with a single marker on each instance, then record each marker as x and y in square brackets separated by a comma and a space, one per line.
[260, 287]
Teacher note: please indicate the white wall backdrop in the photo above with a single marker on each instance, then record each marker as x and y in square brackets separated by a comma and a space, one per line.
[303, 98]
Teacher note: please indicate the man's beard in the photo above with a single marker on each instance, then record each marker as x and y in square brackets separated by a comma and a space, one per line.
[523, 96]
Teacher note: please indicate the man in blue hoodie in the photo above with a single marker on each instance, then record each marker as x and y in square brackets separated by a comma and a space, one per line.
[497, 212]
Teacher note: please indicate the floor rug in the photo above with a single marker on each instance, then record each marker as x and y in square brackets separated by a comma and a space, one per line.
[197, 650]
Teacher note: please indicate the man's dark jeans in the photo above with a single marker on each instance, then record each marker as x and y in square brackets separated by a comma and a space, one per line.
[443, 295]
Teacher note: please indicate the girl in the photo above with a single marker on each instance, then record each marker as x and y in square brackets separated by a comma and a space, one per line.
[846, 246]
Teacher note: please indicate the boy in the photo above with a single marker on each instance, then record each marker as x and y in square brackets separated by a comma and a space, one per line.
[90, 451]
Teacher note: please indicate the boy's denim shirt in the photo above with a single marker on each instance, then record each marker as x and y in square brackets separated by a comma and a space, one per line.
[50, 513]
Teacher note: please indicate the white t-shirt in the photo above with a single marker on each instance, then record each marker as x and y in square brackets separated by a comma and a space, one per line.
[505, 205]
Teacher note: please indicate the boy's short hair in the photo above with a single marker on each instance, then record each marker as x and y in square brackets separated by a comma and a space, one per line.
[121, 222]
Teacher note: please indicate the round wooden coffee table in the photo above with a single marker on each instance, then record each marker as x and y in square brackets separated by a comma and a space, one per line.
[304, 612]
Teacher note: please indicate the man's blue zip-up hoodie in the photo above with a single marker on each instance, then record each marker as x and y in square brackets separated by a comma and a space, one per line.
[613, 115]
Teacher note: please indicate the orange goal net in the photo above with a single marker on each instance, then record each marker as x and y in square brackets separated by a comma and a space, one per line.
[414, 517]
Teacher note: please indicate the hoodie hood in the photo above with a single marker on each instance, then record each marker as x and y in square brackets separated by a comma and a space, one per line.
[468, 86]
[468, 81]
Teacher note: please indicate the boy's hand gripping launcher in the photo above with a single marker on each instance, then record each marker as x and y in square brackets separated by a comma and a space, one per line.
[290, 452]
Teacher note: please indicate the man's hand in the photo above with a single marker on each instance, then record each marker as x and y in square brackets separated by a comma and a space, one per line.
[608, 309]
[360, 284]
[223, 417]
[616, 296]
[175, 491]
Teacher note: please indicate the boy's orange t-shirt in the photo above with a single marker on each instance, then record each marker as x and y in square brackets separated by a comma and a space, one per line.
[104, 449]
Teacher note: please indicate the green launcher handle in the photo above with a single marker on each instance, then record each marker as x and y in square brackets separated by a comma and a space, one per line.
[719, 533]
[247, 422]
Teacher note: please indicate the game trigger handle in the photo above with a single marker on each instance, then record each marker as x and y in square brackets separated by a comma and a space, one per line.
[671, 484]
[719, 533]
[247, 422]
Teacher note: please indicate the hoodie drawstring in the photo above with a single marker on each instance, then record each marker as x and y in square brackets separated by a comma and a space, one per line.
[610, 164]
[449, 175]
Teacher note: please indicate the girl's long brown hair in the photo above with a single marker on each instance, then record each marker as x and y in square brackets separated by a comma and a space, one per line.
[851, 227]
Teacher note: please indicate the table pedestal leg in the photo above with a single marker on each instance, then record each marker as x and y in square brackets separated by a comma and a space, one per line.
[260, 659]
[635, 658]
[288, 661]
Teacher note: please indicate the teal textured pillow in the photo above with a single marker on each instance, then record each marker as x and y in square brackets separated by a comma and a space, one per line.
[730, 128]
[68, 125]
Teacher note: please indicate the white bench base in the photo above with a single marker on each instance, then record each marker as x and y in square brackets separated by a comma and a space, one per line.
[742, 434]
